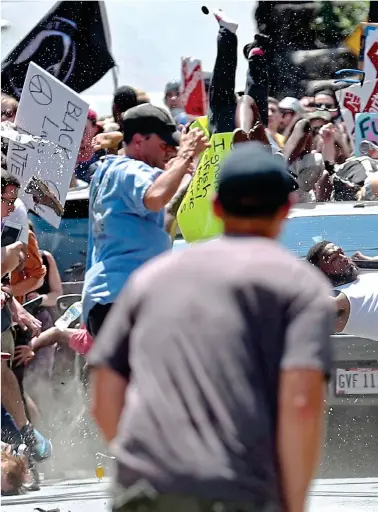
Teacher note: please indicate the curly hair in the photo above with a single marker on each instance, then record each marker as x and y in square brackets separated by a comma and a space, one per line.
[14, 469]
[316, 252]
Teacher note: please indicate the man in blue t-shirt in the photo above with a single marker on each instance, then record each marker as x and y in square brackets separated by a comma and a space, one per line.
[128, 196]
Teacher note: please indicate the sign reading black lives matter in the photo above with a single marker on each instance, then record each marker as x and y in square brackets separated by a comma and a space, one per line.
[52, 111]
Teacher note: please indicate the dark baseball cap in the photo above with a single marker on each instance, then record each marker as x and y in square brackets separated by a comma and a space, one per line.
[146, 119]
[254, 182]
[125, 97]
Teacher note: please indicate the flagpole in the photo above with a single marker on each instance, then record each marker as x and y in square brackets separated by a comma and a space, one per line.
[108, 38]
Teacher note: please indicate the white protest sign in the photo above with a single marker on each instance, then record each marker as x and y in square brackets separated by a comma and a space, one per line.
[366, 129]
[371, 54]
[357, 99]
[57, 115]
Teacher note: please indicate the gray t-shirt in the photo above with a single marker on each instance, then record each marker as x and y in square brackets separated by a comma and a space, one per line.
[206, 333]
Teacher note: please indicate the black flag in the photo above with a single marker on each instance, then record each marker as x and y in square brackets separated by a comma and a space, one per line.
[69, 42]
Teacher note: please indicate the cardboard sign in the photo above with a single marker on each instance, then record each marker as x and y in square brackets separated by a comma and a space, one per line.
[357, 99]
[366, 29]
[52, 111]
[193, 87]
[371, 54]
[366, 129]
[195, 216]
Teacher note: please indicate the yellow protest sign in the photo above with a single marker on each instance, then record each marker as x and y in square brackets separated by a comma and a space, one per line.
[195, 216]
[202, 123]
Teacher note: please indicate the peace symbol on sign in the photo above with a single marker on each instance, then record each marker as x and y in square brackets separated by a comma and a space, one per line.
[40, 90]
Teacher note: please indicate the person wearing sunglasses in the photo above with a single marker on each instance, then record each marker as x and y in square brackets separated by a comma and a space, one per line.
[289, 108]
[326, 101]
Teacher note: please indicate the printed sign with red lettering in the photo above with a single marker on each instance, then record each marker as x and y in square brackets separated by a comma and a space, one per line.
[57, 116]
[371, 53]
[357, 99]
[193, 87]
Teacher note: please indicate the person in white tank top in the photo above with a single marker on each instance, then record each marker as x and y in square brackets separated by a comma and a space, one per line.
[357, 294]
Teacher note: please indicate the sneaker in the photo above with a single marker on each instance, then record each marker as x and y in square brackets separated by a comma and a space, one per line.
[32, 480]
[40, 447]
[224, 21]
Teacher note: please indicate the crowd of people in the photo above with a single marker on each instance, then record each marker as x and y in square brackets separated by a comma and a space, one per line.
[223, 350]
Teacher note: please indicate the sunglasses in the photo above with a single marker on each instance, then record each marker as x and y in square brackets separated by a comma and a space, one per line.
[287, 112]
[330, 107]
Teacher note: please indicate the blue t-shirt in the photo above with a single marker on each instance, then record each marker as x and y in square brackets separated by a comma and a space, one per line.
[123, 234]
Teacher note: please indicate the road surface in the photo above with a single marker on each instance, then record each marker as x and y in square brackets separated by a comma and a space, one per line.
[346, 495]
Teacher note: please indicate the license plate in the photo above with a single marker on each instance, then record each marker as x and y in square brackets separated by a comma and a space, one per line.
[358, 381]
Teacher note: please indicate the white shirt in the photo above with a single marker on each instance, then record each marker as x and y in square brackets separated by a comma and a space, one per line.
[20, 217]
[362, 295]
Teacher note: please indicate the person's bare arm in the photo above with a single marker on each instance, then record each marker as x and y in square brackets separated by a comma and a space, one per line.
[166, 185]
[300, 429]
[323, 188]
[170, 221]
[107, 383]
[51, 336]
[109, 141]
[342, 307]
[55, 283]
[11, 257]
[359, 256]
[25, 320]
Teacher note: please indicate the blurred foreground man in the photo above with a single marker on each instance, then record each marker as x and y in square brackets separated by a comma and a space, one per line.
[224, 352]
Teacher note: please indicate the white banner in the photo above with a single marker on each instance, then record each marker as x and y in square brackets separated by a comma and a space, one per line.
[366, 130]
[371, 54]
[56, 115]
[357, 99]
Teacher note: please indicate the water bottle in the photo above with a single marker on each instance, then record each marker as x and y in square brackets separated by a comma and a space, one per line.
[72, 314]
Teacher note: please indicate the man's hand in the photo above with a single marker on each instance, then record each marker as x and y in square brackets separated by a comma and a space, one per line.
[110, 140]
[23, 355]
[359, 256]
[25, 320]
[192, 143]
[327, 132]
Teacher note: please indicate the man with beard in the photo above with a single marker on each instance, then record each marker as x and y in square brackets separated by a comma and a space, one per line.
[357, 297]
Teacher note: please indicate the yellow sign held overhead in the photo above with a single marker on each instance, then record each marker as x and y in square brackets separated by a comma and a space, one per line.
[195, 216]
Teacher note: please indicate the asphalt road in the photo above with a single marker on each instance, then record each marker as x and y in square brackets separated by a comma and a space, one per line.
[346, 495]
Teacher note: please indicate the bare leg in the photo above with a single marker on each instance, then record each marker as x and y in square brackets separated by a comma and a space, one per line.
[249, 121]
[11, 396]
[35, 415]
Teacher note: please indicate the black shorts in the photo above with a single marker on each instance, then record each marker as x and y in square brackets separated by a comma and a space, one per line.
[97, 317]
